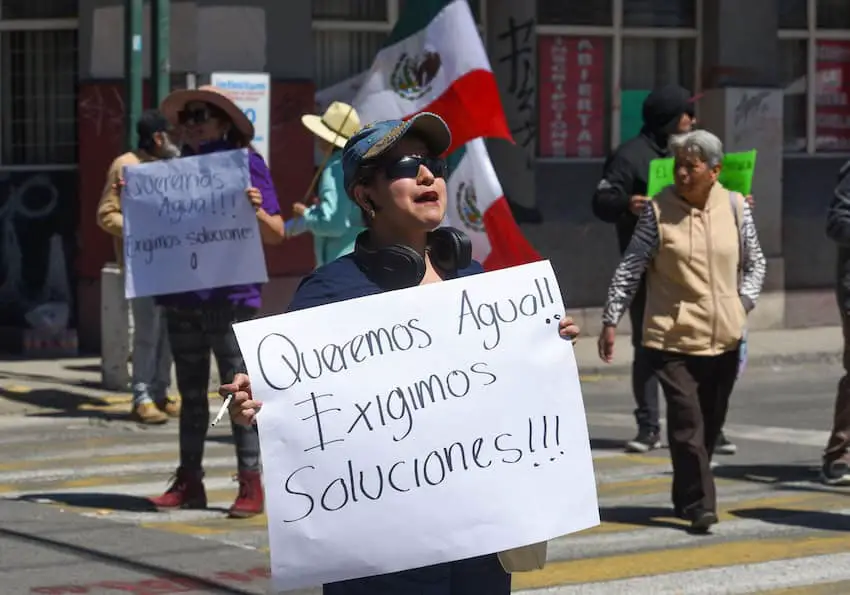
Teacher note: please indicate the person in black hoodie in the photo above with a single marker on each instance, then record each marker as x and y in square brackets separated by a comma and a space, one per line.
[619, 199]
[836, 456]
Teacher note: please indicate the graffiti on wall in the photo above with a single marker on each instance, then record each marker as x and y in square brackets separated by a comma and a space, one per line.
[757, 119]
[36, 247]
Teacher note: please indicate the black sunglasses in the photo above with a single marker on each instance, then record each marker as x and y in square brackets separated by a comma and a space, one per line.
[408, 167]
[198, 115]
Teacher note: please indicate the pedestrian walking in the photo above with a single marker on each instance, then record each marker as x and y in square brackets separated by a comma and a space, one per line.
[201, 321]
[836, 456]
[151, 357]
[393, 173]
[333, 220]
[619, 199]
[698, 245]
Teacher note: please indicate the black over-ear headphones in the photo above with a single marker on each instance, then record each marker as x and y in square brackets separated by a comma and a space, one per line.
[399, 266]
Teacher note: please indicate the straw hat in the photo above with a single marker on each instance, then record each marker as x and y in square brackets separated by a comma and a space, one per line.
[177, 100]
[339, 123]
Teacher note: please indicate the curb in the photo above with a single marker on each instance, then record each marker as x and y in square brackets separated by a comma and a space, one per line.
[753, 361]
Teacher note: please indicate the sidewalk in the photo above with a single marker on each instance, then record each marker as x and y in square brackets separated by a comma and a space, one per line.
[71, 387]
[765, 348]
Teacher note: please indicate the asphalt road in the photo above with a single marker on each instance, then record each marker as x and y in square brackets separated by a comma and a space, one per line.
[73, 517]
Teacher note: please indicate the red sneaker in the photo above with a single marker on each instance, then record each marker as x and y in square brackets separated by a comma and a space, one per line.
[186, 491]
[249, 502]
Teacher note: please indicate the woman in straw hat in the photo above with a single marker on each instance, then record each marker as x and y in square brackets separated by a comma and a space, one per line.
[334, 220]
[200, 321]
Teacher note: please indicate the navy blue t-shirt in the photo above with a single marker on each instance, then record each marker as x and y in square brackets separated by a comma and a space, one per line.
[343, 279]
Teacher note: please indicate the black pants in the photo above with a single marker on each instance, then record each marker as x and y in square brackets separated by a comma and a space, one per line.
[193, 333]
[697, 390]
[839, 440]
[644, 382]
[477, 576]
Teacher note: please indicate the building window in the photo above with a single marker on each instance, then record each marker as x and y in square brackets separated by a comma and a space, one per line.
[816, 87]
[340, 55]
[833, 14]
[793, 57]
[793, 14]
[659, 13]
[657, 44]
[38, 81]
[575, 12]
[357, 10]
[38, 9]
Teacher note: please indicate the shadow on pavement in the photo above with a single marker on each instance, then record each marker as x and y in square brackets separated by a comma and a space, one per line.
[52, 398]
[807, 519]
[94, 500]
[205, 585]
[47, 379]
[768, 474]
[83, 368]
[607, 444]
[100, 500]
[646, 516]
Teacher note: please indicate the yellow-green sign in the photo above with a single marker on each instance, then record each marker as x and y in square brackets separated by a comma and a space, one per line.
[736, 173]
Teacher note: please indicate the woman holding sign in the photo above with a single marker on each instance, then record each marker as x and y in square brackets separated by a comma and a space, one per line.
[393, 172]
[697, 243]
[201, 321]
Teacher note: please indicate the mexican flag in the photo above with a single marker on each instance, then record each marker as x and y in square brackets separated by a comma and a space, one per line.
[477, 206]
[434, 60]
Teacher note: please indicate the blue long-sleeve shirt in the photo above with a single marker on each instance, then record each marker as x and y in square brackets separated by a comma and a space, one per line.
[336, 220]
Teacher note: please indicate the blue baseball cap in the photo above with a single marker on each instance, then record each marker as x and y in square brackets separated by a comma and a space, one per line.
[374, 140]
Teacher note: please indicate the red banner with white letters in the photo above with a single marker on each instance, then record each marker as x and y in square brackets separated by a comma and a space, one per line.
[571, 96]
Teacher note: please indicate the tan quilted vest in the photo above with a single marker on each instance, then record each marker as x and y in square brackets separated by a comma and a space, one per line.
[692, 302]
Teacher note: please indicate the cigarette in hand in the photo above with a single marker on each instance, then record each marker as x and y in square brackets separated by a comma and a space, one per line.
[221, 411]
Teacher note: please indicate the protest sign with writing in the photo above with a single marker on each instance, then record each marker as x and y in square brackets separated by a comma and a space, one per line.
[419, 426]
[188, 225]
[736, 173]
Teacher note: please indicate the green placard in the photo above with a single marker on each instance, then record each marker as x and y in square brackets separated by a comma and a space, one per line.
[738, 170]
[736, 174]
[660, 175]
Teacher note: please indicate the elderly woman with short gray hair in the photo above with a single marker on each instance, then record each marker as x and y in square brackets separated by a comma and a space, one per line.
[697, 243]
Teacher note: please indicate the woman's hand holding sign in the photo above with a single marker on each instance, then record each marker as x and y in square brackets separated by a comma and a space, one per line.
[243, 408]
[568, 329]
[255, 197]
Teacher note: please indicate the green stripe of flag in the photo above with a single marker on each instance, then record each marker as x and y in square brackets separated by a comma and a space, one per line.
[414, 17]
[453, 160]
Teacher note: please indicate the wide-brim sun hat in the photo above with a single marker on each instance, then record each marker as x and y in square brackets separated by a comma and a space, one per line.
[338, 124]
[176, 101]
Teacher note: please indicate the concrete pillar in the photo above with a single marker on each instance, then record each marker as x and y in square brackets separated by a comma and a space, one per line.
[743, 105]
[512, 47]
[115, 333]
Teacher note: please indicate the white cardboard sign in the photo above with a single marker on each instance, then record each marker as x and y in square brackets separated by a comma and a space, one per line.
[189, 226]
[419, 426]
